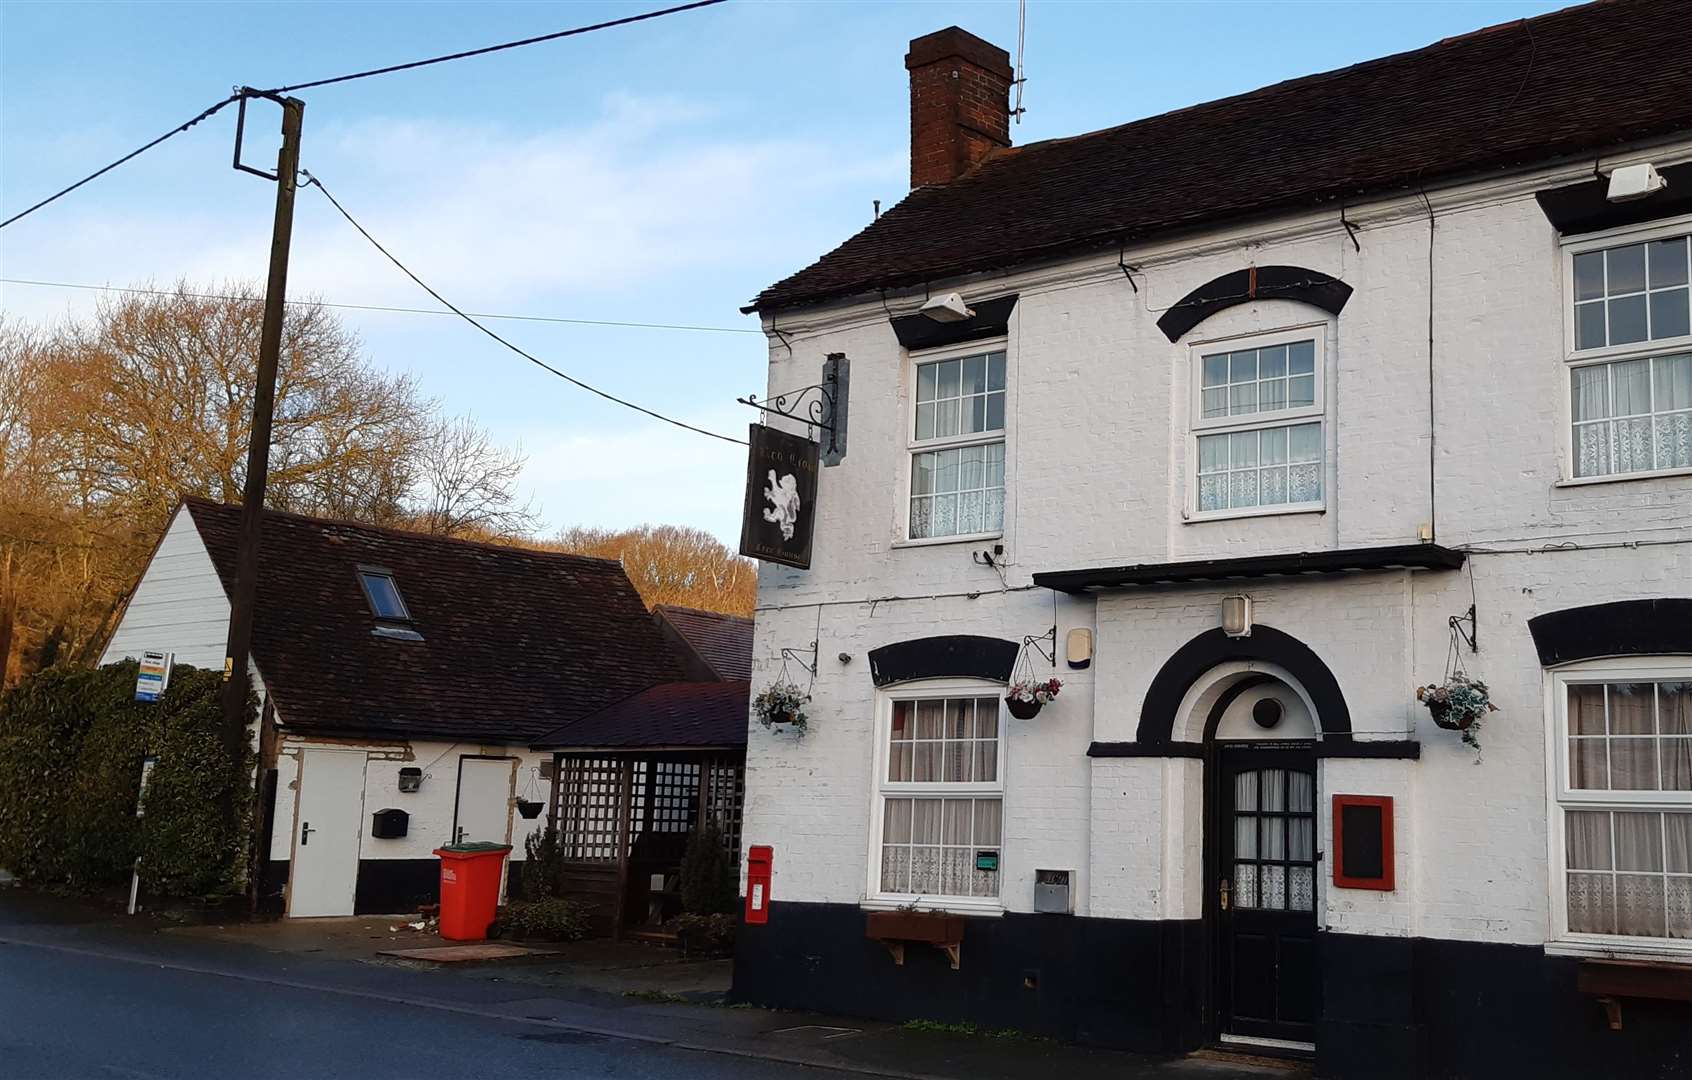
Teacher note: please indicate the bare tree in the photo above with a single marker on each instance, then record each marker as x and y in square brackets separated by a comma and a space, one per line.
[467, 484]
[56, 566]
[673, 564]
[155, 401]
[105, 423]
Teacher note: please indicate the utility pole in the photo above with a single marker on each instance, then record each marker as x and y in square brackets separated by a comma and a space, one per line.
[237, 683]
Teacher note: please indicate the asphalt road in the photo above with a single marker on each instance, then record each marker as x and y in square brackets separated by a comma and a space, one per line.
[65, 1016]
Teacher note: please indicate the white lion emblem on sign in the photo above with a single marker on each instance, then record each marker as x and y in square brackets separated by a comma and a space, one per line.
[783, 494]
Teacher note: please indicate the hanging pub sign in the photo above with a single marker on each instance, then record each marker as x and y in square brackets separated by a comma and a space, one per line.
[781, 492]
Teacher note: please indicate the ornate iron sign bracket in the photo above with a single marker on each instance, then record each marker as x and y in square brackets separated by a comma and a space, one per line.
[821, 405]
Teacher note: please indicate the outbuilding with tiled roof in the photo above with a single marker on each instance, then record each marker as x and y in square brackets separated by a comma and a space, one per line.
[403, 677]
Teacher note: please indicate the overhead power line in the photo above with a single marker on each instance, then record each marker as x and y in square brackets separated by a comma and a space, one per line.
[138, 151]
[312, 181]
[390, 69]
[238, 95]
[381, 307]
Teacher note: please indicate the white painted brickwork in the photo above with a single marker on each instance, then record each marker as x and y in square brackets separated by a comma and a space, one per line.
[1097, 450]
[431, 806]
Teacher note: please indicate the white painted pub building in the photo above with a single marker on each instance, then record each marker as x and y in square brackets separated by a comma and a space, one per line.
[1245, 422]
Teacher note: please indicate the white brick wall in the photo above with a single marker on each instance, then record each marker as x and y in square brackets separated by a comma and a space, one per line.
[1096, 449]
[431, 806]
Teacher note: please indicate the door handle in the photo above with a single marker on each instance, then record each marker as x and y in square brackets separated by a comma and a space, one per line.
[305, 833]
[1222, 895]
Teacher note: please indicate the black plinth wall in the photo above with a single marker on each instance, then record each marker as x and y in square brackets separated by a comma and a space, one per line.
[1390, 1008]
[1109, 982]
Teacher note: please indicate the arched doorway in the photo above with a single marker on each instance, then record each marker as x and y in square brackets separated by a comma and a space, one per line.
[1259, 726]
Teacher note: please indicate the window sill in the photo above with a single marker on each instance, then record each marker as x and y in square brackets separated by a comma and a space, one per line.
[937, 541]
[1651, 951]
[987, 909]
[1256, 511]
[1617, 478]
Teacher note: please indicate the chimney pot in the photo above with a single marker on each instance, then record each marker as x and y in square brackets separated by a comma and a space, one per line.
[960, 103]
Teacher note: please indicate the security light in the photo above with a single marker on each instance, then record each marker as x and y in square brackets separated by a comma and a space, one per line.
[1632, 182]
[947, 308]
[1236, 616]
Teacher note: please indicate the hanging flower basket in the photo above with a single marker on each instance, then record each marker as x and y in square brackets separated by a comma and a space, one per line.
[530, 808]
[1026, 697]
[1459, 704]
[782, 703]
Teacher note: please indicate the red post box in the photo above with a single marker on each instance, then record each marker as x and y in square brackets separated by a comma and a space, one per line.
[758, 860]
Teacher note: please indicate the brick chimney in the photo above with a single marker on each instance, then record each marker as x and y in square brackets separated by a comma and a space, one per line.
[960, 103]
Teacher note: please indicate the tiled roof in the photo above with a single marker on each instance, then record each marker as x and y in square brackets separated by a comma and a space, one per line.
[1574, 82]
[723, 642]
[683, 714]
[515, 642]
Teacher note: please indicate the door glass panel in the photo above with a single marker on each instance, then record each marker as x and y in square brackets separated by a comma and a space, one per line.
[1245, 837]
[1245, 791]
[1302, 896]
[1245, 885]
[1301, 792]
[1303, 839]
[1274, 840]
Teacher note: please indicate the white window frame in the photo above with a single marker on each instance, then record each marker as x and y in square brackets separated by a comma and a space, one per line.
[882, 789]
[1561, 796]
[1198, 424]
[1609, 354]
[915, 446]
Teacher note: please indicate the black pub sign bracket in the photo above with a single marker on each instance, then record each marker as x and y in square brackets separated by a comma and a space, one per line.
[821, 405]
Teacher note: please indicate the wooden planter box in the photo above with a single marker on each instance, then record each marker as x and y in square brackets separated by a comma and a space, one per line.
[896, 929]
[1611, 981]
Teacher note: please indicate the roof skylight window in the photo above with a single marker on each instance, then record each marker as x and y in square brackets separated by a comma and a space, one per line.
[383, 594]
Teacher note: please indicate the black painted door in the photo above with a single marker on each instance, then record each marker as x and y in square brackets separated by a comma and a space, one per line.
[1265, 899]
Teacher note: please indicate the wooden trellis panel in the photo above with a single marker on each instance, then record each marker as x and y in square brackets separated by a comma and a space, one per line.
[588, 791]
[723, 795]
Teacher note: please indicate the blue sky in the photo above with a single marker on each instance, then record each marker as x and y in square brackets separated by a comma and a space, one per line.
[660, 172]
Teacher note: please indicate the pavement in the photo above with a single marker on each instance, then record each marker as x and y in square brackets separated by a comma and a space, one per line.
[84, 992]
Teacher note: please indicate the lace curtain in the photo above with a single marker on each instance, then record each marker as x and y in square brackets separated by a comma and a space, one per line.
[1630, 870]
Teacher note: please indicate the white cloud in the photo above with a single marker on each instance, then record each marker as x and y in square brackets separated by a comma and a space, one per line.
[643, 472]
[648, 190]
[642, 209]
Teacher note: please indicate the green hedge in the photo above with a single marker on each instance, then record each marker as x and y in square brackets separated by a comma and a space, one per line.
[71, 746]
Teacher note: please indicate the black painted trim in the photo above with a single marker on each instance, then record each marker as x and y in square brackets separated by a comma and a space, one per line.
[1241, 287]
[1394, 749]
[273, 887]
[949, 656]
[1619, 628]
[1227, 698]
[1393, 557]
[1213, 647]
[1139, 749]
[396, 886]
[991, 319]
[1126, 983]
[1586, 207]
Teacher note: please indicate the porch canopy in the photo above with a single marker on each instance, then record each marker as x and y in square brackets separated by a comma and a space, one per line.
[631, 781]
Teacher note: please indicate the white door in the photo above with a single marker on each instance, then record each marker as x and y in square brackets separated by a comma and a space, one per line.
[324, 874]
[484, 801]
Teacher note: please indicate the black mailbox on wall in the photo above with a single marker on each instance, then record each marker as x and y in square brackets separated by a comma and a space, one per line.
[389, 824]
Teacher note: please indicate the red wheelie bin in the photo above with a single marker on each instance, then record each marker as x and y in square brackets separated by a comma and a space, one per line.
[470, 879]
